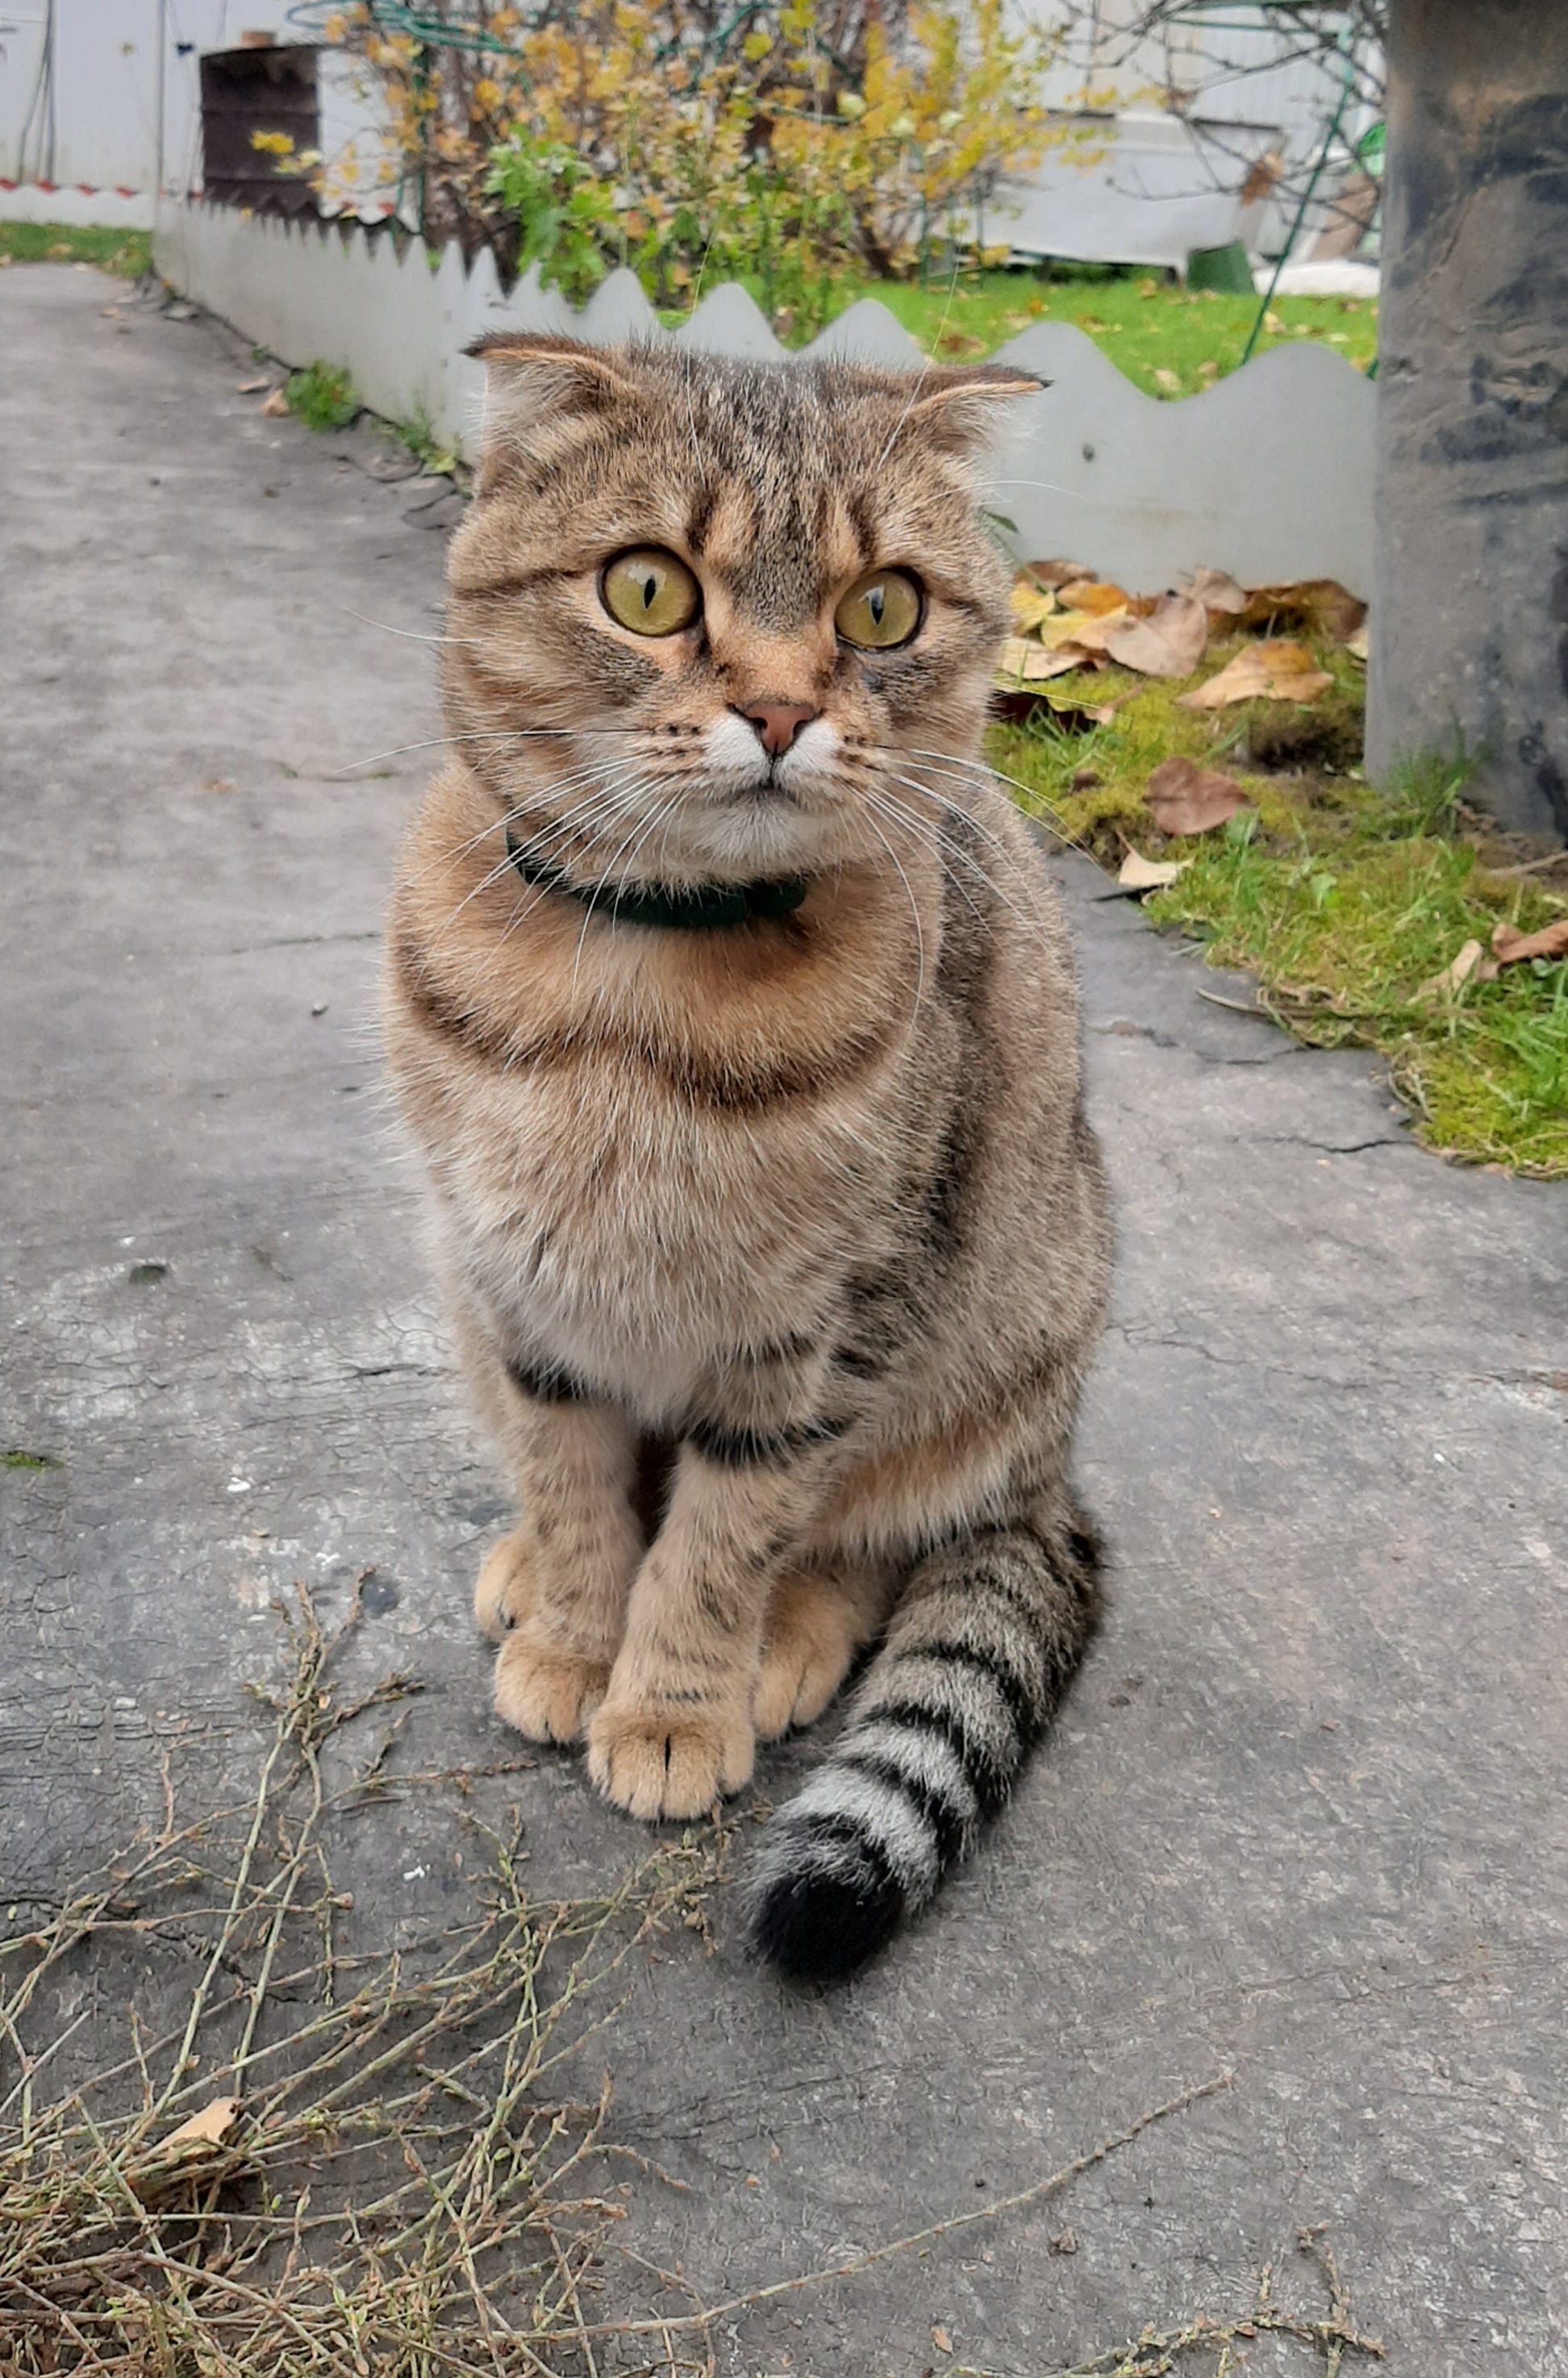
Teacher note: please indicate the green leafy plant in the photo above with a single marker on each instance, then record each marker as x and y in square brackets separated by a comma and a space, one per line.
[323, 396]
[564, 215]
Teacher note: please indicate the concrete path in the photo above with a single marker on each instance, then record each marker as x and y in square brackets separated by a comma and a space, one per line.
[1305, 1818]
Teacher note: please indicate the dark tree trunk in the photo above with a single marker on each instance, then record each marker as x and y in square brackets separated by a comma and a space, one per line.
[1470, 639]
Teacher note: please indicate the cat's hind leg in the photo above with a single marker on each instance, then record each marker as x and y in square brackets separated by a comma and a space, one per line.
[817, 1620]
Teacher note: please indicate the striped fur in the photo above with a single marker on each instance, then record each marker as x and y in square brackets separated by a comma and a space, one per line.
[775, 1255]
[980, 1651]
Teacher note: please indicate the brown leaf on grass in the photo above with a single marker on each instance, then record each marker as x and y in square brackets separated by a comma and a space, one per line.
[1057, 574]
[1169, 642]
[1081, 629]
[1181, 798]
[1219, 594]
[1137, 873]
[1472, 964]
[276, 405]
[1320, 604]
[1276, 670]
[1095, 596]
[1022, 660]
[1509, 946]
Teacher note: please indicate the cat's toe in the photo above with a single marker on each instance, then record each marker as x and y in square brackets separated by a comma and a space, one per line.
[548, 1695]
[809, 1645]
[668, 1764]
[504, 1594]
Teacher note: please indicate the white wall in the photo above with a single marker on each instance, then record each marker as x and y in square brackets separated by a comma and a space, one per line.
[111, 58]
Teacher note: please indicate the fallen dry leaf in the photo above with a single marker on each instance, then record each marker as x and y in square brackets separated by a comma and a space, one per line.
[207, 2128]
[1319, 602]
[1169, 642]
[276, 405]
[218, 785]
[940, 2338]
[251, 387]
[1509, 946]
[1023, 660]
[1220, 594]
[1277, 669]
[1181, 798]
[1031, 605]
[1471, 962]
[1095, 596]
[1057, 574]
[1137, 873]
[1355, 645]
[1168, 381]
[1081, 629]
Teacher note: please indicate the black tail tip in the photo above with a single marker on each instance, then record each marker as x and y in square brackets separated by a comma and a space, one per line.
[823, 1927]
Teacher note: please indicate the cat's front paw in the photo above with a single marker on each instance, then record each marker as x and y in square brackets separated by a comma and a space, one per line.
[504, 1594]
[548, 1693]
[668, 1762]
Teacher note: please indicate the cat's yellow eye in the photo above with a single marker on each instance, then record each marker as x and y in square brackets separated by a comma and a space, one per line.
[651, 591]
[879, 610]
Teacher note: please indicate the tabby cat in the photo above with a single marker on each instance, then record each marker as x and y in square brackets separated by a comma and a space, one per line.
[729, 1002]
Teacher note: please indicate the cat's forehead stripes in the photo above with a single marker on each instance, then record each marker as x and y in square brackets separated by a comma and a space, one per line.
[785, 480]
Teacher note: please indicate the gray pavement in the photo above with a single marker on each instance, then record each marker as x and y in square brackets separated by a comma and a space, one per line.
[1304, 1818]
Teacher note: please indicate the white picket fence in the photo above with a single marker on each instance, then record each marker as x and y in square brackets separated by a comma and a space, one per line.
[1268, 475]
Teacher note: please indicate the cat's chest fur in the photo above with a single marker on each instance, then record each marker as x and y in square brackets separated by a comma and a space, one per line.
[601, 1226]
[656, 1148]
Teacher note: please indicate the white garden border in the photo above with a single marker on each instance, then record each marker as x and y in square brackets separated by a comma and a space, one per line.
[1268, 475]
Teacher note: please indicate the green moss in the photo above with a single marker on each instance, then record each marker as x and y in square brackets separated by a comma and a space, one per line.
[1343, 899]
[127, 253]
[324, 396]
[15, 1457]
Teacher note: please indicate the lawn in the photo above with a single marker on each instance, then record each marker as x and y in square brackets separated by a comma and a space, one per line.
[1168, 340]
[127, 253]
[1346, 901]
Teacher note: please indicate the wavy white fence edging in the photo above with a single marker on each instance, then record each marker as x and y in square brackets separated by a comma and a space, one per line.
[1268, 475]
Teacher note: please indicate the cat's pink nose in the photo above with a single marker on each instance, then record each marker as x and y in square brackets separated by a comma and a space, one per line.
[779, 722]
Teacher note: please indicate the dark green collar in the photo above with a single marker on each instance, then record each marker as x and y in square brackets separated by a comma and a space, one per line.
[664, 906]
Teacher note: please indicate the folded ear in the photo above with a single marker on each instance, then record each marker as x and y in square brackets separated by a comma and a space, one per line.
[536, 379]
[957, 408]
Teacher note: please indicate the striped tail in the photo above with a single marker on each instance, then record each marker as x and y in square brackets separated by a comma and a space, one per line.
[981, 1650]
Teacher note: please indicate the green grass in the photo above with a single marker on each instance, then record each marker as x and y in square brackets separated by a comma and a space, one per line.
[1144, 324]
[323, 396]
[1342, 899]
[1148, 326]
[126, 253]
